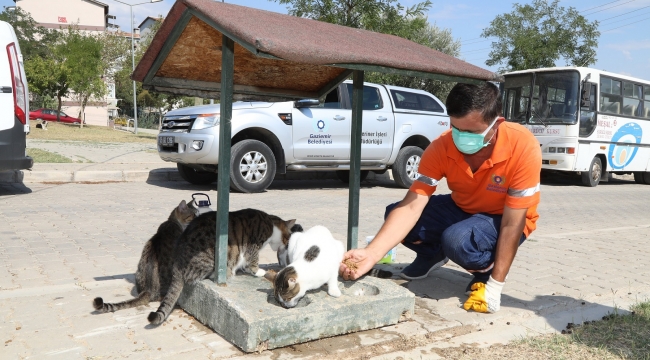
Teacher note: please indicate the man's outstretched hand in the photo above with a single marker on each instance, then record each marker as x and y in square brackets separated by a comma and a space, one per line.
[356, 263]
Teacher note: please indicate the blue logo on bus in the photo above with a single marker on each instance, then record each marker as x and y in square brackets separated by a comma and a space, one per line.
[622, 155]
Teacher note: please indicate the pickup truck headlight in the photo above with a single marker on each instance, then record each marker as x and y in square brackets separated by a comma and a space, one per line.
[205, 121]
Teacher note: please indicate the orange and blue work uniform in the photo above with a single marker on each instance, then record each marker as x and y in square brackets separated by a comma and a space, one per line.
[465, 224]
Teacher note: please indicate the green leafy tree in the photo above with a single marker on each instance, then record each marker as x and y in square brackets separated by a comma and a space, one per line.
[82, 54]
[538, 34]
[47, 78]
[388, 17]
[435, 38]
[33, 39]
[151, 104]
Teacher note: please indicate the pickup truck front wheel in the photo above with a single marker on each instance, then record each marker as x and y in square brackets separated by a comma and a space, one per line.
[252, 166]
[405, 168]
[196, 177]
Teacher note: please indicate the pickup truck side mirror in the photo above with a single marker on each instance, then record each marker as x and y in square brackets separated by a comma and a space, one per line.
[306, 103]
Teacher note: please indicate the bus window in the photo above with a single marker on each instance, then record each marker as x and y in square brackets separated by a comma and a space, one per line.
[555, 96]
[632, 100]
[588, 114]
[610, 95]
[646, 103]
[517, 97]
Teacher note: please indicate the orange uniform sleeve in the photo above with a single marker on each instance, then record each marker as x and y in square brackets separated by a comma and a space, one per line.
[431, 168]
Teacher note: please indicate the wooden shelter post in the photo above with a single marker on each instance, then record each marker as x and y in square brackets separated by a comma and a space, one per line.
[355, 158]
[223, 187]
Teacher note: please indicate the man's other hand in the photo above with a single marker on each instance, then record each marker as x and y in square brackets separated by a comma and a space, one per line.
[485, 297]
[356, 263]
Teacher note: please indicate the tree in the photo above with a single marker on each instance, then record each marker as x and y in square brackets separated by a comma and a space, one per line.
[388, 17]
[538, 34]
[48, 78]
[146, 99]
[33, 39]
[435, 38]
[83, 64]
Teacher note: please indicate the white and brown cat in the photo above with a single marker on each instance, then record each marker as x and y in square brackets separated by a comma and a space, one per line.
[314, 257]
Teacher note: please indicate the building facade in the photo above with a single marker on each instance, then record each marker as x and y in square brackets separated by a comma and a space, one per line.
[88, 15]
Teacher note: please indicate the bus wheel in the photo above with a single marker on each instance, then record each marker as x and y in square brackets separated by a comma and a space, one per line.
[591, 178]
[642, 177]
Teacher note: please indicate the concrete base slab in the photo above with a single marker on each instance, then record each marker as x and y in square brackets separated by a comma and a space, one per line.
[245, 313]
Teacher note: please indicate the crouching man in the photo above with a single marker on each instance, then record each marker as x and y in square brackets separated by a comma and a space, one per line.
[492, 168]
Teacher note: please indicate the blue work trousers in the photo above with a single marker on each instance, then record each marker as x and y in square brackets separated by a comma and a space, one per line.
[469, 240]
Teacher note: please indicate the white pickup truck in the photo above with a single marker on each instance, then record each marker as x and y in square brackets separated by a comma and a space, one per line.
[305, 135]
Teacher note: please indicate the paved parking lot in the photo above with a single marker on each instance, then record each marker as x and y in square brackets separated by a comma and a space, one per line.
[62, 245]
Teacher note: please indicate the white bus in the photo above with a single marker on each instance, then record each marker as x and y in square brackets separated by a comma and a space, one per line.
[587, 121]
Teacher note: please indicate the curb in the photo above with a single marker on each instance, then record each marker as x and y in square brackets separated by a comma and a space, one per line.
[89, 176]
[102, 176]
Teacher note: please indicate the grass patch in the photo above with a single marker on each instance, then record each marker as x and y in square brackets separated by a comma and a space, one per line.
[90, 133]
[42, 156]
[614, 337]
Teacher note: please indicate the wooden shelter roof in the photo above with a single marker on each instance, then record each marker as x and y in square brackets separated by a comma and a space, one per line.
[279, 56]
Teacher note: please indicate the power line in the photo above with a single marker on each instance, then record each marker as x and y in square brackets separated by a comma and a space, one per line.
[476, 42]
[611, 7]
[471, 51]
[629, 12]
[626, 19]
[596, 7]
[608, 30]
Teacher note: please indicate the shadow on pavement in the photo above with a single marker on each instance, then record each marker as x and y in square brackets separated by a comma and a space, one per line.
[297, 184]
[554, 311]
[562, 179]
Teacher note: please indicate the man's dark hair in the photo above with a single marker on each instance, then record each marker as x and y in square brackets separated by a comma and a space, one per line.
[465, 98]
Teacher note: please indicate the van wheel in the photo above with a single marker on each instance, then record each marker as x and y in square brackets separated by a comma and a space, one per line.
[591, 178]
[344, 175]
[405, 168]
[642, 177]
[196, 177]
[252, 166]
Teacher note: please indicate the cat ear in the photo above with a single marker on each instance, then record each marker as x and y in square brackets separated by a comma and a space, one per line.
[182, 206]
[290, 223]
[270, 276]
[292, 282]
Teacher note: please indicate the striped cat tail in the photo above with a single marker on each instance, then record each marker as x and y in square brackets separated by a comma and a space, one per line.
[101, 306]
[168, 302]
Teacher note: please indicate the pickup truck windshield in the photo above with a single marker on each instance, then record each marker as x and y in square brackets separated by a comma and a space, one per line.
[542, 98]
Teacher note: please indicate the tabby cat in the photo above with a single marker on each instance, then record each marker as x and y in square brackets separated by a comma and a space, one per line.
[248, 231]
[154, 272]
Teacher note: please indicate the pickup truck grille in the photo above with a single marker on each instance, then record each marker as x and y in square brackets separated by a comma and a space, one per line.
[178, 123]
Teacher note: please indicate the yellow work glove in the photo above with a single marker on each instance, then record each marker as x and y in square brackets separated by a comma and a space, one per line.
[485, 297]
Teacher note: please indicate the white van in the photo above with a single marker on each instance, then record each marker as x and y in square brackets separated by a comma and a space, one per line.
[14, 103]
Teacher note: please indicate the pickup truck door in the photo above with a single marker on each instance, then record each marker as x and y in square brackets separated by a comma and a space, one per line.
[378, 123]
[322, 133]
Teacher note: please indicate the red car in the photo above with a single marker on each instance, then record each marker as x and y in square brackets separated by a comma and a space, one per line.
[50, 115]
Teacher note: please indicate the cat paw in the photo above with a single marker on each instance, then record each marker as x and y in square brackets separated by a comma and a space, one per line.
[260, 273]
[334, 292]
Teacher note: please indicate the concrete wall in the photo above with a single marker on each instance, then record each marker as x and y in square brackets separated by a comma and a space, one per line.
[52, 14]
[95, 115]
